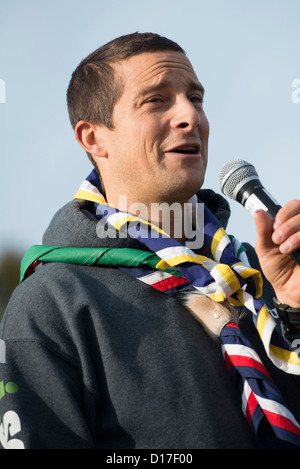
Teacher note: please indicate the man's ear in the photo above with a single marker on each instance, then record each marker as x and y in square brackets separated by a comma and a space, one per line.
[89, 137]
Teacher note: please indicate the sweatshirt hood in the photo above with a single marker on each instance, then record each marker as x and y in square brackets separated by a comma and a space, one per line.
[75, 226]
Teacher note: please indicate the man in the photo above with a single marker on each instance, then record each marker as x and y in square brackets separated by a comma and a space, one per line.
[99, 356]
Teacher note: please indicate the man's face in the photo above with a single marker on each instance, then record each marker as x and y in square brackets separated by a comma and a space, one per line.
[157, 150]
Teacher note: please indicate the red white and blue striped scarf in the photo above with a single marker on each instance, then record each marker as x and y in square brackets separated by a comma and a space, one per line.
[222, 273]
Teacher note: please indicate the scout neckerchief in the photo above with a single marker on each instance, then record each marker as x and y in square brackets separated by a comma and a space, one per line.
[219, 274]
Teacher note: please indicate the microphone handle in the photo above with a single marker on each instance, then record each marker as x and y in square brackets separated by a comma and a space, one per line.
[259, 198]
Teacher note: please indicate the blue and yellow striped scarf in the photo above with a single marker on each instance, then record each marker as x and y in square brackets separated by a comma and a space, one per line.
[220, 272]
[223, 273]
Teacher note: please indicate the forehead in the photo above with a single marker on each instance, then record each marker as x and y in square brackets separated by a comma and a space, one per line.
[153, 68]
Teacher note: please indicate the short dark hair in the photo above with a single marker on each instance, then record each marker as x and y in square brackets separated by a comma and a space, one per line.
[93, 90]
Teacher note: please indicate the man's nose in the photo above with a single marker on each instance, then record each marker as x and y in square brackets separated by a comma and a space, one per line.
[186, 116]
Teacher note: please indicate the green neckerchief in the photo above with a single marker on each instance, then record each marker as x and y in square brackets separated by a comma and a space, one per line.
[91, 256]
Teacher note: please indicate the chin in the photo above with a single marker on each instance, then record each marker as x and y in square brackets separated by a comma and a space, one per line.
[193, 184]
[183, 192]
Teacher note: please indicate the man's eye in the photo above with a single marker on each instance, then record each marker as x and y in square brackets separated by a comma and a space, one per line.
[196, 99]
[155, 99]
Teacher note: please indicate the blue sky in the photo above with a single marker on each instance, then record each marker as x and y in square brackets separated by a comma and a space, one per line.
[246, 54]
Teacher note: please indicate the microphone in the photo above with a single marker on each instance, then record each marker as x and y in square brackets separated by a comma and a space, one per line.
[238, 180]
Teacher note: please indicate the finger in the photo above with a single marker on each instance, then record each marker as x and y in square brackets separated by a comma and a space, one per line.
[288, 232]
[291, 244]
[287, 227]
[289, 210]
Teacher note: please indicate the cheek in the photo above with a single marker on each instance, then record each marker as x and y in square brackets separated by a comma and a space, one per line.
[148, 139]
[204, 127]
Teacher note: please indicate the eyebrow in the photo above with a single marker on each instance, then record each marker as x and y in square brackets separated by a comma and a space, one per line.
[192, 86]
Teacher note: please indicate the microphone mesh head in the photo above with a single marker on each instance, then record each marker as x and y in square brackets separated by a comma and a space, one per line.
[232, 174]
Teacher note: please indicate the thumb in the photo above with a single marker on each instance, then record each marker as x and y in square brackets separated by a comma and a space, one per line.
[264, 229]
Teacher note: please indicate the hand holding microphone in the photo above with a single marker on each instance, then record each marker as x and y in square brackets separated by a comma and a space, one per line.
[239, 181]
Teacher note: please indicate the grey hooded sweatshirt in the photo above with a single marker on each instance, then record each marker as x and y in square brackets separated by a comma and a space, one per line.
[90, 357]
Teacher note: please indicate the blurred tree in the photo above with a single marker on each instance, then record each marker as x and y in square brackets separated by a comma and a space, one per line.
[9, 277]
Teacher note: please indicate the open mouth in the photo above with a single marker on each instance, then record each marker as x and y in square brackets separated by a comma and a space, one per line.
[186, 149]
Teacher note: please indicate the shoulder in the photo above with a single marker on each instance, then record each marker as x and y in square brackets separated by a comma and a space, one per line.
[59, 298]
[46, 306]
